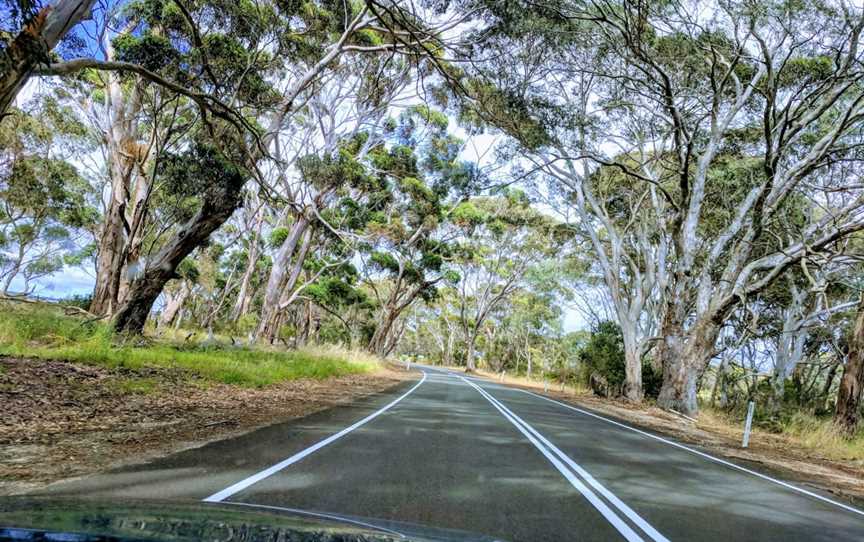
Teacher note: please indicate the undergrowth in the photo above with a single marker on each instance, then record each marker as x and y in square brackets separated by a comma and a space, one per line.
[43, 331]
[815, 433]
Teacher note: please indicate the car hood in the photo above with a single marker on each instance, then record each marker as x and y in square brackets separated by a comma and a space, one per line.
[86, 520]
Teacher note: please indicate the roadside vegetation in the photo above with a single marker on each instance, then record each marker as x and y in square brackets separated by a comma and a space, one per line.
[45, 331]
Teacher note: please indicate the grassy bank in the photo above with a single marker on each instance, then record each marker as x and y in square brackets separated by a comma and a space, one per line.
[44, 331]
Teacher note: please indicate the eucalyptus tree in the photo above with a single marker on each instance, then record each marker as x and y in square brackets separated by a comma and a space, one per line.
[219, 59]
[810, 298]
[546, 98]
[500, 238]
[333, 178]
[407, 252]
[739, 124]
[46, 205]
[346, 115]
[768, 99]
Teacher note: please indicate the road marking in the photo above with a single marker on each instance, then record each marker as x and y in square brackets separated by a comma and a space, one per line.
[548, 449]
[701, 454]
[257, 477]
[317, 515]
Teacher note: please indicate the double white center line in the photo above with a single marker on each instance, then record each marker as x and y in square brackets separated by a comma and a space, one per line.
[579, 477]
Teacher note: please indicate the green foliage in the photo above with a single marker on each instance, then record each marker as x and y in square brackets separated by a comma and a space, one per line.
[467, 215]
[798, 70]
[188, 270]
[278, 236]
[44, 332]
[149, 50]
[603, 354]
[199, 170]
[517, 115]
[436, 119]
[385, 261]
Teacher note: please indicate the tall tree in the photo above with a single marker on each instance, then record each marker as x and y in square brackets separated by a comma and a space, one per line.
[760, 101]
[46, 211]
[503, 237]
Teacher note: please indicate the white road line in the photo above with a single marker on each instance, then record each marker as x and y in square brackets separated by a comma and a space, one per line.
[622, 527]
[318, 515]
[611, 497]
[701, 454]
[257, 477]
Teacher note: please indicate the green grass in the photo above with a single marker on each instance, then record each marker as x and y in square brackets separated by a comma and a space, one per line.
[43, 331]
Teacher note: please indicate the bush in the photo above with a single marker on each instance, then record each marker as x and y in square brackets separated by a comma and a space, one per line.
[652, 380]
[602, 359]
[604, 366]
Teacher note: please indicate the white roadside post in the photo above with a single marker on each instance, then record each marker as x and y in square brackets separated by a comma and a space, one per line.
[750, 407]
[407, 365]
[546, 386]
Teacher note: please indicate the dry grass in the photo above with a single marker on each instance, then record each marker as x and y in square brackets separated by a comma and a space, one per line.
[803, 434]
[570, 388]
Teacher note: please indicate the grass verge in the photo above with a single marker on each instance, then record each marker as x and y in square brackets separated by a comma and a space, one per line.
[43, 331]
[813, 434]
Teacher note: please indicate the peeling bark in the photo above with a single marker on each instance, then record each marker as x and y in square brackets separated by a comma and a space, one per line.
[848, 409]
[218, 205]
[32, 45]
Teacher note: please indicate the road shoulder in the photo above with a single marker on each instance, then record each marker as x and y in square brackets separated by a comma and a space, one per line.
[66, 420]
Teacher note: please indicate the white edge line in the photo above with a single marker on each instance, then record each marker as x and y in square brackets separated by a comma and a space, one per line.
[257, 477]
[701, 454]
[611, 497]
[317, 515]
[601, 507]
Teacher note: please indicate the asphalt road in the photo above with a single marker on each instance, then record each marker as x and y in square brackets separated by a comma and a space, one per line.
[472, 455]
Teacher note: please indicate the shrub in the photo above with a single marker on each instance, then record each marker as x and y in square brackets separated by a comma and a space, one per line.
[604, 367]
[602, 359]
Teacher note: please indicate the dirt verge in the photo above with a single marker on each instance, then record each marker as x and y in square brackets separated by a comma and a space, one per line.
[60, 419]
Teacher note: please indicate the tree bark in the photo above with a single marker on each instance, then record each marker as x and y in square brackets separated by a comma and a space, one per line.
[173, 304]
[34, 43]
[470, 353]
[109, 254]
[268, 324]
[116, 235]
[378, 342]
[685, 355]
[218, 205]
[848, 409]
[633, 390]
